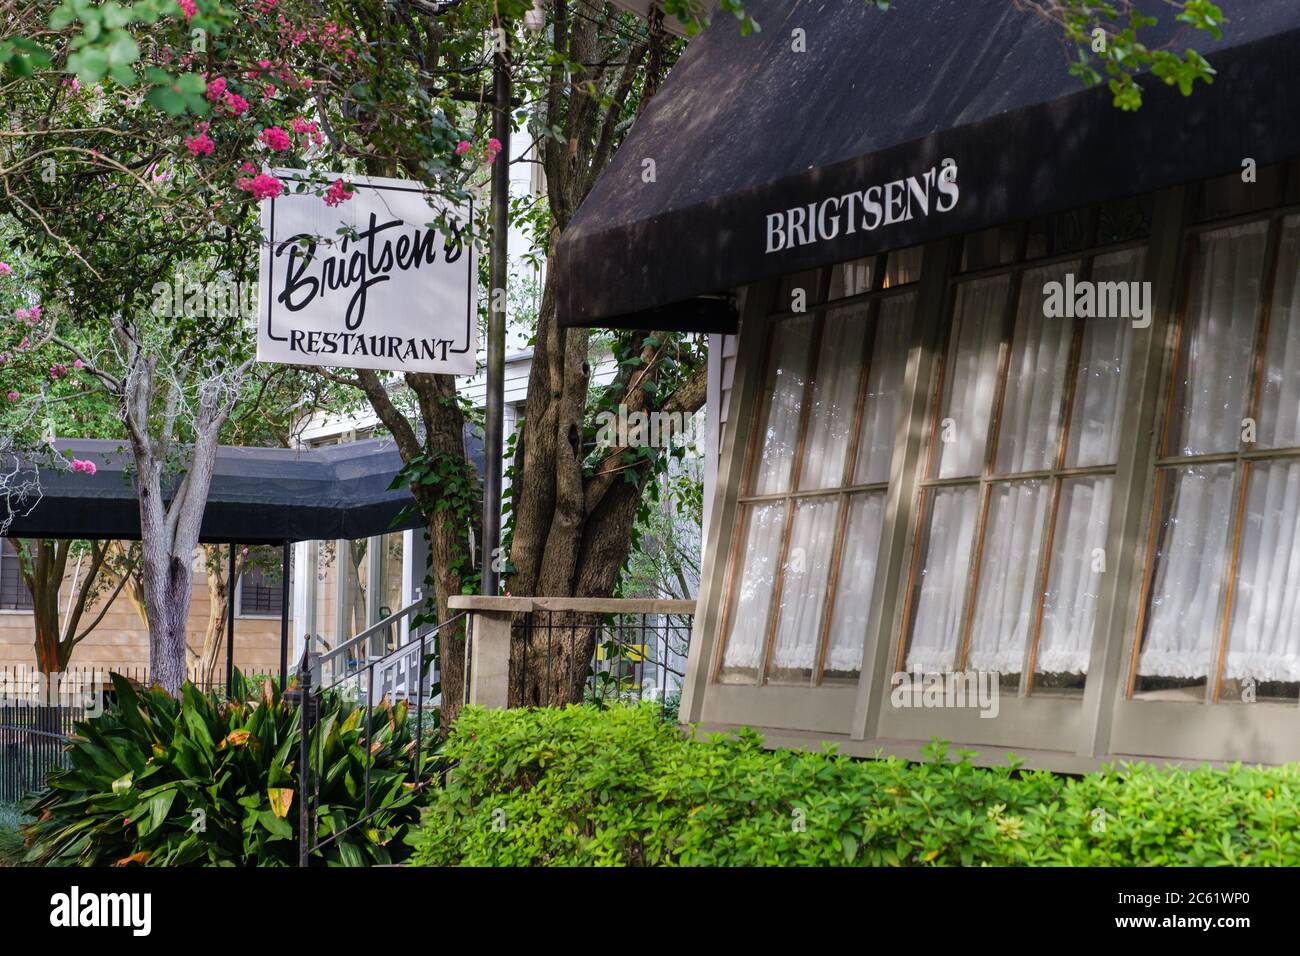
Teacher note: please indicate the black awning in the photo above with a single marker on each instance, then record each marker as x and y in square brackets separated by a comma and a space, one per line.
[258, 495]
[745, 128]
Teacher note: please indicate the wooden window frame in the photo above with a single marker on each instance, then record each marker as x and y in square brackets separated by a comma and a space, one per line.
[843, 492]
[1242, 458]
[1053, 478]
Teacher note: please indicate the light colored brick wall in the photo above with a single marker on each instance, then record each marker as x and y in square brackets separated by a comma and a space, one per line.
[121, 640]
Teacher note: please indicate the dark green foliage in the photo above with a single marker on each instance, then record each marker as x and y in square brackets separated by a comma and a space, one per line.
[583, 786]
[206, 781]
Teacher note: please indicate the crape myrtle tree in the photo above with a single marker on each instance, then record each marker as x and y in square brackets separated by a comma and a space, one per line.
[134, 174]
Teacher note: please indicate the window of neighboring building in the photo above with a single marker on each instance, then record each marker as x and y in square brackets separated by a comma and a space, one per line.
[260, 584]
[14, 595]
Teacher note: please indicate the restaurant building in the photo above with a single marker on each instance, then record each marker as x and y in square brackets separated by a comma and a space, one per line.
[1008, 379]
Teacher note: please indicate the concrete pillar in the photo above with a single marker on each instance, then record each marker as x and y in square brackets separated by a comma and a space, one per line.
[489, 665]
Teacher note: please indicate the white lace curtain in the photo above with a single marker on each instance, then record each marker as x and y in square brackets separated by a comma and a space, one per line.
[815, 521]
[1196, 522]
[1011, 560]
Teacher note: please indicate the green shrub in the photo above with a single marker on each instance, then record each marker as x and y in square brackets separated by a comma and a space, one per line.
[583, 786]
[204, 780]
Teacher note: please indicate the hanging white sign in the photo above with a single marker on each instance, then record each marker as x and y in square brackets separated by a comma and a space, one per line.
[372, 282]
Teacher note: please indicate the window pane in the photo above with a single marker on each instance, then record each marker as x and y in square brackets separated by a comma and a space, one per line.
[1218, 340]
[1028, 436]
[1279, 415]
[803, 588]
[14, 595]
[1102, 378]
[798, 287]
[1123, 219]
[260, 582]
[1054, 235]
[1008, 577]
[1070, 602]
[940, 595]
[1230, 196]
[834, 398]
[903, 266]
[1264, 643]
[752, 595]
[851, 278]
[853, 590]
[1182, 618]
[787, 375]
[970, 379]
[992, 247]
[884, 389]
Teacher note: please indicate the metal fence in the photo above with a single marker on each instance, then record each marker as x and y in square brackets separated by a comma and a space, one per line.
[634, 656]
[404, 673]
[32, 739]
[37, 714]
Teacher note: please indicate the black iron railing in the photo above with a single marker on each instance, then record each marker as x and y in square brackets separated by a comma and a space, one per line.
[402, 674]
[603, 658]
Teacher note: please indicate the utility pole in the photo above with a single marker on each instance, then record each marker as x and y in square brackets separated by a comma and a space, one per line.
[496, 337]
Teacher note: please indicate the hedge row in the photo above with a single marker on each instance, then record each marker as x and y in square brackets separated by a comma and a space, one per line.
[583, 786]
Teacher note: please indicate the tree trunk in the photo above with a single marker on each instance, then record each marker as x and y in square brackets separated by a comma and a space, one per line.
[220, 603]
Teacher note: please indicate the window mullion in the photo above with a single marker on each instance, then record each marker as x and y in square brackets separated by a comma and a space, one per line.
[832, 586]
[1045, 570]
[1227, 589]
[973, 575]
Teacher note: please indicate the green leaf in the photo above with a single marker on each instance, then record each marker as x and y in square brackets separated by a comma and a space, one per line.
[167, 100]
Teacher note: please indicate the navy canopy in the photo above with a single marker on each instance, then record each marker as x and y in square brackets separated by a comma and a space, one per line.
[258, 495]
[835, 97]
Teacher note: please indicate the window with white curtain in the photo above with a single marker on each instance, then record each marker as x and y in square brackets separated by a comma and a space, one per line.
[14, 595]
[1015, 493]
[813, 498]
[1221, 605]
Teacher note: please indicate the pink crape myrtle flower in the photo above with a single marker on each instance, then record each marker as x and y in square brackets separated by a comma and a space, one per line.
[200, 145]
[216, 89]
[261, 186]
[5, 269]
[236, 103]
[13, 396]
[247, 167]
[275, 139]
[308, 128]
[463, 147]
[188, 7]
[85, 467]
[78, 365]
[337, 194]
[493, 147]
